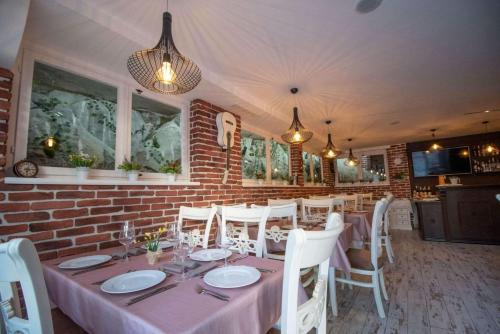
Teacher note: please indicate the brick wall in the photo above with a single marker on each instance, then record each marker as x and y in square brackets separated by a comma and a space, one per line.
[64, 220]
[5, 96]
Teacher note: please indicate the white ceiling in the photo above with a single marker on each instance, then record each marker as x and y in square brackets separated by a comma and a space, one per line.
[420, 63]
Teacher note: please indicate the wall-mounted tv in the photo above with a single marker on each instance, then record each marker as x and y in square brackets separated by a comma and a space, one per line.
[447, 161]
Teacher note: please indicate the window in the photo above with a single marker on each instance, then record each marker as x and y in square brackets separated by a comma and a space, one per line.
[371, 169]
[311, 163]
[253, 156]
[156, 133]
[280, 161]
[317, 174]
[306, 165]
[79, 113]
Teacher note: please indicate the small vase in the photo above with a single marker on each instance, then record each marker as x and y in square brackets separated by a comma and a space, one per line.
[153, 256]
[133, 175]
[170, 177]
[82, 173]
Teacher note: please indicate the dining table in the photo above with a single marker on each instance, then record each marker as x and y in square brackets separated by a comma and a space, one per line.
[181, 309]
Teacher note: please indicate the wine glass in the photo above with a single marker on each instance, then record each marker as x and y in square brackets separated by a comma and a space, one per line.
[224, 243]
[182, 253]
[173, 237]
[127, 237]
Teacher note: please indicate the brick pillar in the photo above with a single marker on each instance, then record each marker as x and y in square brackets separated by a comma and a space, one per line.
[5, 96]
[296, 161]
[328, 175]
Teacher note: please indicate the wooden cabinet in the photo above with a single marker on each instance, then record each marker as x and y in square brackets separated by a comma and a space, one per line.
[430, 215]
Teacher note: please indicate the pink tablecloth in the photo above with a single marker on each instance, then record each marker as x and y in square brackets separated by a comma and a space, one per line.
[252, 309]
[361, 222]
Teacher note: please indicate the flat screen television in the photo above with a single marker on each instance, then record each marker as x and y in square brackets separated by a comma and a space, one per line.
[447, 161]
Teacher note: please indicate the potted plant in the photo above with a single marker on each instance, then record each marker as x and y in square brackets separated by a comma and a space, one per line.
[82, 162]
[152, 245]
[260, 177]
[171, 169]
[285, 178]
[131, 168]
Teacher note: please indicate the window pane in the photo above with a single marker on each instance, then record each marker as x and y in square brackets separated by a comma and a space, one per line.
[279, 160]
[253, 155]
[373, 168]
[318, 177]
[306, 163]
[346, 174]
[79, 113]
[156, 133]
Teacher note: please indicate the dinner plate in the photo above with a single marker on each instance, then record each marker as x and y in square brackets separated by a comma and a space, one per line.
[133, 281]
[232, 277]
[84, 262]
[163, 244]
[210, 254]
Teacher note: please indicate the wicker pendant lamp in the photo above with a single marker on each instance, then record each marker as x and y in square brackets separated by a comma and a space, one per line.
[297, 133]
[330, 151]
[351, 160]
[163, 69]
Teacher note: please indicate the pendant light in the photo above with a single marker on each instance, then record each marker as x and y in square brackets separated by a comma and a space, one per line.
[351, 160]
[434, 146]
[163, 69]
[297, 133]
[330, 151]
[490, 148]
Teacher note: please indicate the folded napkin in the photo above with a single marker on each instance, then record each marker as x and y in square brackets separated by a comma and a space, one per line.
[176, 267]
[131, 252]
[203, 269]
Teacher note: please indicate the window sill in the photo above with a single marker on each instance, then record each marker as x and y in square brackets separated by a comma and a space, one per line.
[97, 181]
[364, 184]
[267, 185]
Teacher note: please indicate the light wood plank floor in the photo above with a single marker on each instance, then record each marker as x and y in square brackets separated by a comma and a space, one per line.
[433, 288]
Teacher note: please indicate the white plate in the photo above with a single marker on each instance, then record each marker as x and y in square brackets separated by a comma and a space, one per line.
[133, 281]
[210, 254]
[163, 244]
[84, 262]
[232, 277]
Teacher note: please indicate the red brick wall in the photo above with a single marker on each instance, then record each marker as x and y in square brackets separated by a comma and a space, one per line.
[71, 219]
[5, 96]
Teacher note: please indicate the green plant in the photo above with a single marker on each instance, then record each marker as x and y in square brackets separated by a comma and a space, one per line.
[152, 240]
[171, 167]
[400, 176]
[285, 177]
[129, 166]
[259, 175]
[81, 160]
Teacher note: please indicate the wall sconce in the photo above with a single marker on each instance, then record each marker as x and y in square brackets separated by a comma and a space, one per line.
[50, 146]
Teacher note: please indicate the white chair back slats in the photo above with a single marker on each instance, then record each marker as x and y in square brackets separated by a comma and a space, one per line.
[316, 209]
[205, 215]
[243, 243]
[377, 224]
[338, 205]
[304, 250]
[390, 199]
[19, 262]
[279, 201]
[319, 196]
[350, 201]
[219, 213]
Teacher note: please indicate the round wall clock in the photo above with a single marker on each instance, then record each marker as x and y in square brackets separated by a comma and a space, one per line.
[25, 168]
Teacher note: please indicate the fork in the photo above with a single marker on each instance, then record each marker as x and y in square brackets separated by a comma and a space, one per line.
[202, 290]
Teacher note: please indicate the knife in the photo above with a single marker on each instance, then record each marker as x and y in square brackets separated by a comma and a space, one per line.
[92, 268]
[151, 293]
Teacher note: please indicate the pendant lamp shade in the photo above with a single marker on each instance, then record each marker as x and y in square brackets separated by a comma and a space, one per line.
[297, 133]
[163, 69]
[434, 146]
[351, 160]
[330, 151]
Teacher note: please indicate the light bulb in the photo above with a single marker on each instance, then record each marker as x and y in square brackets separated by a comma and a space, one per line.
[351, 163]
[51, 142]
[165, 73]
[489, 149]
[297, 136]
[330, 154]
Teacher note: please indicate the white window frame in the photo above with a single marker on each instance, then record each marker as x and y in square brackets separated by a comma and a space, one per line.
[311, 168]
[125, 87]
[379, 150]
[268, 137]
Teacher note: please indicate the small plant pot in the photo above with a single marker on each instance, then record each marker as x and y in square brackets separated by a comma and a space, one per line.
[133, 175]
[170, 177]
[260, 182]
[153, 257]
[82, 173]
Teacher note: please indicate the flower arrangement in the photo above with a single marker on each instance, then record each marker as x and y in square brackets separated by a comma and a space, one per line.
[171, 167]
[260, 175]
[129, 166]
[81, 160]
[152, 239]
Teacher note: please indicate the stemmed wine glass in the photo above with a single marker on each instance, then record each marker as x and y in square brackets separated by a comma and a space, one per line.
[127, 237]
[173, 237]
[182, 253]
[224, 243]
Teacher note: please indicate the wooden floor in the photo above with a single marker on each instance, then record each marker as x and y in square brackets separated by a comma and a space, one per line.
[433, 287]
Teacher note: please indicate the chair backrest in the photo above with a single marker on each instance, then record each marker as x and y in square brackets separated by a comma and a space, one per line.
[304, 250]
[319, 196]
[390, 199]
[243, 243]
[283, 211]
[377, 224]
[19, 262]
[308, 204]
[280, 201]
[200, 214]
[350, 201]
[219, 211]
[367, 197]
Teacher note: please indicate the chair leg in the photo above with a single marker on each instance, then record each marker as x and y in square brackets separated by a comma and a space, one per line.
[333, 290]
[348, 276]
[376, 293]
[382, 284]
[321, 329]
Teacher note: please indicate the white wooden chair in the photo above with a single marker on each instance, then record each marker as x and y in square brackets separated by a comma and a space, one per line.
[205, 215]
[367, 198]
[350, 201]
[319, 197]
[386, 237]
[219, 214]
[316, 210]
[305, 250]
[365, 262]
[240, 240]
[338, 205]
[280, 201]
[19, 262]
